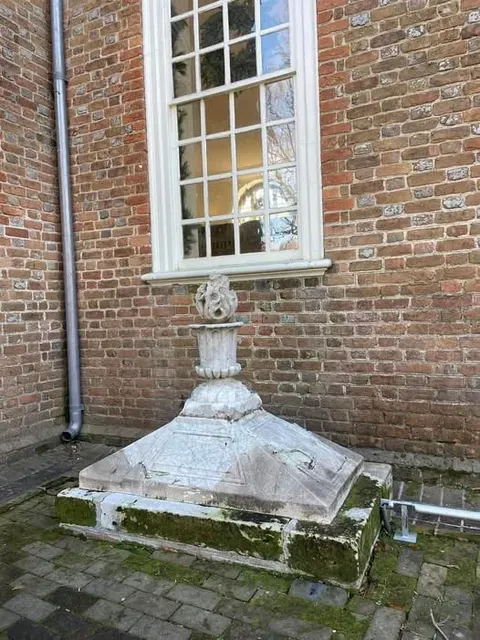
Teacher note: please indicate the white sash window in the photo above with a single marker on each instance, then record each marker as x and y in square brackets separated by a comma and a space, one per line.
[233, 138]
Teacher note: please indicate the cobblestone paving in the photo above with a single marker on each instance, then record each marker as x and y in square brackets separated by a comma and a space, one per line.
[26, 475]
[55, 586]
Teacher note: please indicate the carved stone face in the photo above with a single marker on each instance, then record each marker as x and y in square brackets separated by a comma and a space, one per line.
[215, 301]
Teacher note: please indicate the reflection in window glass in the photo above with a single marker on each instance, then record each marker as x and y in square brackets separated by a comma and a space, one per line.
[243, 60]
[210, 27]
[188, 120]
[217, 114]
[281, 144]
[279, 99]
[212, 69]
[283, 232]
[192, 201]
[249, 149]
[219, 157]
[203, 3]
[194, 244]
[182, 37]
[252, 235]
[273, 13]
[276, 51]
[241, 18]
[247, 107]
[222, 238]
[220, 200]
[184, 77]
[250, 192]
[190, 161]
[282, 188]
[181, 6]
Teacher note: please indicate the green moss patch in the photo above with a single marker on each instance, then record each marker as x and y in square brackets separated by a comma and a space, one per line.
[339, 551]
[267, 580]
[143, 561]
[386, 586]
[460, 557]
[71, 510]
[342, 621]
[217, 534]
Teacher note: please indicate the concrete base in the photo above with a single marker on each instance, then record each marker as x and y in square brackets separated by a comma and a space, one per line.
[337, 552]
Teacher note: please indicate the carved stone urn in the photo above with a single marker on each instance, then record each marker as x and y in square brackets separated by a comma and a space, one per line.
[217, 338]
[221, 397]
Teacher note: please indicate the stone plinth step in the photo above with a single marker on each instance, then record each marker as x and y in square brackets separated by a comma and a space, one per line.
[337, 552]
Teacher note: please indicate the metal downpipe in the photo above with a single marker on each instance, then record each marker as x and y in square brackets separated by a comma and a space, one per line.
[66, 212]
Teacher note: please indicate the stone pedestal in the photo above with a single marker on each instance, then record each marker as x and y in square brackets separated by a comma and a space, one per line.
[226, 479]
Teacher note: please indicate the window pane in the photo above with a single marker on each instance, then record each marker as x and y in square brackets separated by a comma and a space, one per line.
[194, 245]
[243, 60]
[247, 107]
[181, 6]
[212, 67]
[203, 3]
[282, 185]
[184, 77]
[250, 192]
[283, 232]
[220, 201]
[273, 12]
[280, 101]
[249, 150]
[241, 17]
[223, 238]
[252, 235]
[190, 161]
[281, 144]
[217, 114]
[192, 201]
[210, 27]
[182, 37]
[219, 156]
[188, 119]
[276, 51]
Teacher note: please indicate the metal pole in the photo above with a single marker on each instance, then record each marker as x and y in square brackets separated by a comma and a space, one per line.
[434, 510]
[66, 211]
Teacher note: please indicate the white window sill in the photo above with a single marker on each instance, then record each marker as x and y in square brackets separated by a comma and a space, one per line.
[298, 268]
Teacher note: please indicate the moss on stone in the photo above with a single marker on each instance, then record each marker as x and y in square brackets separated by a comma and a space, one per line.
[386, 586]
[159, 569]
[267, 580]
[362, 494]
[76, 511]
[259, 542]
[342, 621]
[459, 556]
[340, 551]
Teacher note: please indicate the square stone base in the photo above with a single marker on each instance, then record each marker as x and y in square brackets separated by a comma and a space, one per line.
[338, 552]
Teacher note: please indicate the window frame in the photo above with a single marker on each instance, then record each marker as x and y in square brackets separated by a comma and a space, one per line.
[164, 194]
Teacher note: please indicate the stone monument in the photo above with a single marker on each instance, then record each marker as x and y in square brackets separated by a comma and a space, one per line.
[228, 480]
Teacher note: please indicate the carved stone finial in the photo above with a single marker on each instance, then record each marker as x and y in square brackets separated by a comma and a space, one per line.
[215, 301]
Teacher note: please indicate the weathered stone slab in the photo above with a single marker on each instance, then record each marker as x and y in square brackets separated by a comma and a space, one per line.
[258, 463]
[338, 552]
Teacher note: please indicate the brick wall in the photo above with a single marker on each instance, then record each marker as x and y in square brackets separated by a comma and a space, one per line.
[32, 392]
[383, 353]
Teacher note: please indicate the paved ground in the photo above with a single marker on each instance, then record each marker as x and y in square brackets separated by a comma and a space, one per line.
[57, 586]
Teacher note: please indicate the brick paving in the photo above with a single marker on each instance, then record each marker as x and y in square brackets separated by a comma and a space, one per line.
[55, 586]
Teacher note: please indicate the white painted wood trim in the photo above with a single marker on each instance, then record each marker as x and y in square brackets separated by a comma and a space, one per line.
[164, 196]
